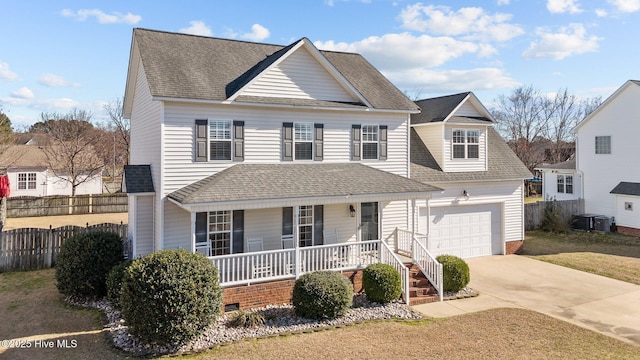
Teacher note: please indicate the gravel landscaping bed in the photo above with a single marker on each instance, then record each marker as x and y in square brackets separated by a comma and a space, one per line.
[278, 320]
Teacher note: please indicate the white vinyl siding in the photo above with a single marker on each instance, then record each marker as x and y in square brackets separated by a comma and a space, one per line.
[467, 109]
[395, 214]
[263, 138]
[299, 76]
[433, 138]
[143, 231]
[550, 185]
[625, 216]
[338, 220]
[601, 173]
[177, 227]
[265, 224]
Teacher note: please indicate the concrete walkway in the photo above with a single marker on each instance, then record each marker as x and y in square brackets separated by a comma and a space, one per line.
[601, 304]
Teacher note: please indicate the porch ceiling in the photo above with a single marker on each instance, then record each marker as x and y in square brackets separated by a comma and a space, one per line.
[309, 183]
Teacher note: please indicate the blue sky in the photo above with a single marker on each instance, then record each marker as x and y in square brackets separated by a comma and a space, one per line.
[59, 55]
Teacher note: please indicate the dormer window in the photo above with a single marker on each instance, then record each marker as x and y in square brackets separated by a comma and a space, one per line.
[466, 144]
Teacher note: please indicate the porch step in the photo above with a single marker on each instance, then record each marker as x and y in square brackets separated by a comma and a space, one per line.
[420, 289]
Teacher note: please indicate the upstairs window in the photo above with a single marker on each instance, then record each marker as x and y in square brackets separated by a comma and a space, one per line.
[565, 184]
[26, 181]
[220, 140]
[603, 144]
[466, 144]
[303, 140]
[370, 142]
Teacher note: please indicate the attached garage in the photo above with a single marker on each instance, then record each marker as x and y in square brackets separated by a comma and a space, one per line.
[465, 230]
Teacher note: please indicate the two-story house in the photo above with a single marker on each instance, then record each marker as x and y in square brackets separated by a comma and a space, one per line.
[278, 160]
[606, 161]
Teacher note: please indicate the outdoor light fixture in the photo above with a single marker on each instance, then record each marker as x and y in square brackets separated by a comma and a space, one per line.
[352, 211]
[465, 194]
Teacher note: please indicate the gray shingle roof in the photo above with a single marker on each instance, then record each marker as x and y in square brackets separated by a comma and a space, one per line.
[627, 188]
[196, 67]
[251, 182]
[503, 163]
[137, 179]
[565, 165]
[437, 109]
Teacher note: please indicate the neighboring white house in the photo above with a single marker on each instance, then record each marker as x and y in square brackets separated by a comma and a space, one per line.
[455, 147]
[26, 168]
[561, 181]
[606, 158]
[295, 154]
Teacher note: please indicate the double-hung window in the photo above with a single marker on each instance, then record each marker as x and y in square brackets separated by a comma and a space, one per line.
[565, 184]
[219, 140]
[220, 232]
[370, 138]
[26, 181]
[305, 225]
[603, 144]
[303, 140]
[466, 144]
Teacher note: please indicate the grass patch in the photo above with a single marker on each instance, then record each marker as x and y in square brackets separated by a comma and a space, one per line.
[611, 255]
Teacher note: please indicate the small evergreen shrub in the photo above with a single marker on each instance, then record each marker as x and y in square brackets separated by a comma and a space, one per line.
[381, 283]
[552, 220]
[170, 297]
[114, 282]
[322, 294]
[84, 261]
[455, 272]
[247, 319]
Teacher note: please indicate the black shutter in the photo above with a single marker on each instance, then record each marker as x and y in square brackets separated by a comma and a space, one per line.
[318, 134]
[383, 142]
[287, 221]
[201, 227]
[238, 141]
[238, 231]
[355, 142]
[287, 141]
[318, 219]
[202, 148]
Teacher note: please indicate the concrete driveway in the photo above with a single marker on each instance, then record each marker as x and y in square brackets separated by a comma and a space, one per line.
[605, 305]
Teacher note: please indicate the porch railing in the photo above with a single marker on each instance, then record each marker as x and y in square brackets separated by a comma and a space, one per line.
[415, 246]
[387, 256]
[403, 241]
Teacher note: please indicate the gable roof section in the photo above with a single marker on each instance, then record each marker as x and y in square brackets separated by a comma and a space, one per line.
[256, 182]
[443, 108]
[23, 156]
[503, 163]
[189, 67]
[607, 102]
[137, 179]
[626, 188]
[565, 165]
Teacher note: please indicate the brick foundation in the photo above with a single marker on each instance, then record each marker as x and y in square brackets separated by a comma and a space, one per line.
[628, 231]
[514, 247]
[274, 292]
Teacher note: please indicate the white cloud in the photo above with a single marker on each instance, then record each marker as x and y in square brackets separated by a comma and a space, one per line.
[503, 2]
[258, 33]
[61, 104]
[197, 28]
[601, 12]
[627, 6]
[406, 51]
[102, 17]
[6, 74]
[563, 6]
[22, 93]
[569, 40]
[52, 80]
[469, 22]
[447, 81]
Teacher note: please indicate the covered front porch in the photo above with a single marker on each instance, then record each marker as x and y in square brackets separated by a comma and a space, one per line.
[351, 221]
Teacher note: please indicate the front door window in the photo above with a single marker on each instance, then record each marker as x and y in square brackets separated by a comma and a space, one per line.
[369, 221]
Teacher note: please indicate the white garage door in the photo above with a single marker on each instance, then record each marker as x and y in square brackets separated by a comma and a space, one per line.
[466, 231]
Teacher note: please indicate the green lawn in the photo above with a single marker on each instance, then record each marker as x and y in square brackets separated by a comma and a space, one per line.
[612, 255]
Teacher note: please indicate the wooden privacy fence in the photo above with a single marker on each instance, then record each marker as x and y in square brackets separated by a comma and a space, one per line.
[26, 206]
[534, 212]
[33, 248]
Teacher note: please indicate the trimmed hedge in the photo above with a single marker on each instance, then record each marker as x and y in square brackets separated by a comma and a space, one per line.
[381, 283]
[114, 282]
[455, 272]
[170, 297]
[322, 295]
[84, 261]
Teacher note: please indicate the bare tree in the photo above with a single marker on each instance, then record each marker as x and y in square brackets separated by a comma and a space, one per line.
[121, 127]
[71, 156]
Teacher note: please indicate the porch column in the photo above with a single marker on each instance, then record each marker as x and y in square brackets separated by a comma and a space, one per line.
[296, 242]
[413, 223]
[193, 232]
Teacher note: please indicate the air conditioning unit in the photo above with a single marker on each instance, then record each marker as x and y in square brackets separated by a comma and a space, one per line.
[584, 222]
[601, 223]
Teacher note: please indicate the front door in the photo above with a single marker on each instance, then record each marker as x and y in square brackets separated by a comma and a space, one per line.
[369, 221]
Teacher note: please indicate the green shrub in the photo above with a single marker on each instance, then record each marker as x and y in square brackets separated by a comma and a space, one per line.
[455, 272]
[84, 261]
[552, 220]
[170, 297]
[322, 294]
[381, 283]
[247, 319]
[114, 282]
